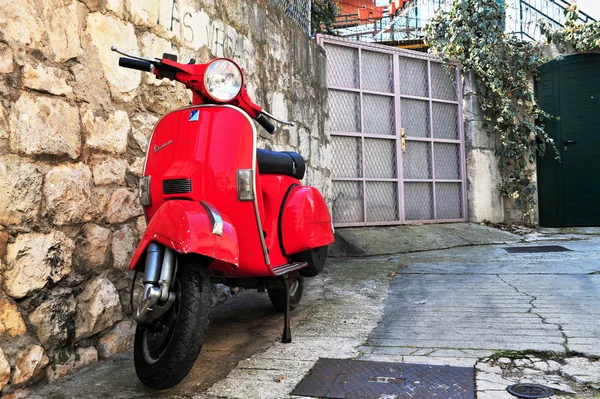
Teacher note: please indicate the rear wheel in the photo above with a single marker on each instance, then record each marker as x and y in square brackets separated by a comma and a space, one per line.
[277, 295]
[315, 258]
[165, 349]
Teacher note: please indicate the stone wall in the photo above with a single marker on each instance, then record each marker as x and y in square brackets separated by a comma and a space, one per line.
[73, 131]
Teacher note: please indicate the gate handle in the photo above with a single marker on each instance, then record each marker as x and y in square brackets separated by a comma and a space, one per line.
[567, 142]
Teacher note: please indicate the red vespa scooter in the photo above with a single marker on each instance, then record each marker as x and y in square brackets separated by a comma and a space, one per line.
[219, 210]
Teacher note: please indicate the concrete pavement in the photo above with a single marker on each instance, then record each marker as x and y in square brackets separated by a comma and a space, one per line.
[473, 305]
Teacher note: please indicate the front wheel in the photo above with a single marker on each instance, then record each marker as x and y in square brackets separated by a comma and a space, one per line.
[277, 295]
[165, 349]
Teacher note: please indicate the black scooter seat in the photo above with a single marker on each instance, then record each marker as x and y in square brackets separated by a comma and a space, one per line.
[281, 163]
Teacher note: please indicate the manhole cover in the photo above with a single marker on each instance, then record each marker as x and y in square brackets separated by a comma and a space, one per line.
[351, 379]
[530, 391]
[536, 249]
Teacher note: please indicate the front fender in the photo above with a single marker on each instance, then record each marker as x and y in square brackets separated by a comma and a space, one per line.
[186, 227]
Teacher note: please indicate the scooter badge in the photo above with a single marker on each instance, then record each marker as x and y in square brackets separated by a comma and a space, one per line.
[194, 115]
[160, 147]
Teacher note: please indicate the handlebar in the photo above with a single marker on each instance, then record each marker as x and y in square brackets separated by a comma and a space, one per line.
[264, 122]
[168, 67]
[130, 63]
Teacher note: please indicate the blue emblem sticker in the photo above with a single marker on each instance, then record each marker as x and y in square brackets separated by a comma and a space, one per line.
[194, 115]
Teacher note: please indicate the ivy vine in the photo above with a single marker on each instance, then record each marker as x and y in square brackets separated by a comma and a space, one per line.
[580, 37]
[323, 16]
[472, 32]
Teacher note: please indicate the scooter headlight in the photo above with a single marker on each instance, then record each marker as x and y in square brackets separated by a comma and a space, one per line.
[223, 80]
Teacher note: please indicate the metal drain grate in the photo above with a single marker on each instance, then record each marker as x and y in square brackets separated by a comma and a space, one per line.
[530, 391]
[350, 379]
[536, 249]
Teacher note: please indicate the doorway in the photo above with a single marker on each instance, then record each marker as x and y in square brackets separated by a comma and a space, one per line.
[569, 189]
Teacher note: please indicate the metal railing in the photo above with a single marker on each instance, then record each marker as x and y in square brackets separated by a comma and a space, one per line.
[529, 14]
[523, 18]
[297, 10]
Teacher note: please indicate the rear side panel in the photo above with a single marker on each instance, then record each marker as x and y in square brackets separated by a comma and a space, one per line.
[305, 222]
[194, 154]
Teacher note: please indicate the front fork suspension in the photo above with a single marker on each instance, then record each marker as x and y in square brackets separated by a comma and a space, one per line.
[161, 266]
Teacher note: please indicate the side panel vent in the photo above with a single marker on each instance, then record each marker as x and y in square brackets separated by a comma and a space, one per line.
[177, 186]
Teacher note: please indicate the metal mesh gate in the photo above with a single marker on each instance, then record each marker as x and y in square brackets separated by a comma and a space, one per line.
[397, 135]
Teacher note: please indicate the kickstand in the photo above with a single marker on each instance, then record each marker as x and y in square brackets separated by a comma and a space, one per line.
[287, 332]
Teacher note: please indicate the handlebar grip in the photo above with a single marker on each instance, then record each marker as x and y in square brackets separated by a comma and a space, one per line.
[135, 64]
[264, 122]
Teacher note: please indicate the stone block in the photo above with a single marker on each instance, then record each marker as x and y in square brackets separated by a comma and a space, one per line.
[11, 321]
[123, 245]
[107, 135]
[67, 189]
[29, 364]
[53, 319]
[106, 31]
[144, 12]
[6, 59]
[98, 307]
[4, 236]
[20, 190]
[100, 198]
[155, 46]
[141, 225]
[20, 25]
[44, 125]
[34, 259]
[118, 340]
[63, 28]
[108, 170]
[4, 370]
[83, 357]
[46, 79]
[123, 206]
[116, 6]
[137, 166]
[143, 126]
[93, 247]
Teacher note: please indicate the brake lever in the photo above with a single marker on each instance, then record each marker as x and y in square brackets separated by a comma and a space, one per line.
[278, 120]
[134, 56]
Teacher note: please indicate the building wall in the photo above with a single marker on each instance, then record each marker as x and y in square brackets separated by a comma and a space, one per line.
[484, 199]
[73, 131]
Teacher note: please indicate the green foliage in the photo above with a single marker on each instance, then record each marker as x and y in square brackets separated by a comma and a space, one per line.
[323, 15]
[581, 37]
[472, 32]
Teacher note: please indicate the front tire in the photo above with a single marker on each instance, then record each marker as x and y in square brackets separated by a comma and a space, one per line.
[277, 295]
[165, 349]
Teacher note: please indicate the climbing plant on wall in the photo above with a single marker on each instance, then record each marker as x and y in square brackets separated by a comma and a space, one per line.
[472, 32]
[581, 37]
[323, 15]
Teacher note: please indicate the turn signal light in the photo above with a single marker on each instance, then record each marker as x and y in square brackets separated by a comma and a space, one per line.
[145, 191]
[245, 184]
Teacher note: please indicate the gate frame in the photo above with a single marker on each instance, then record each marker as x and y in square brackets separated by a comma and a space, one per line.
[396, 53]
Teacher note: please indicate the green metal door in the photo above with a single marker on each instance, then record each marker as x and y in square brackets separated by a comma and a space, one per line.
[569, 190]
